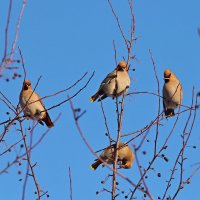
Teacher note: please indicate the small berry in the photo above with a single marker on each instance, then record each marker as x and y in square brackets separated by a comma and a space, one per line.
[166, 159]
[144, 152]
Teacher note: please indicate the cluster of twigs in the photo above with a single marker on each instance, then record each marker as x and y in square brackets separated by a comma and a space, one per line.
[137, 138]
[15, 113]
[18, 121]
[8, 58]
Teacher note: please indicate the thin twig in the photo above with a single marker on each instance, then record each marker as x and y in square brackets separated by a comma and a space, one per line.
[30, 165]
[118, 23]
[6, 30]
[71, 97]
[159, 100]
[27, 167]
[70, 182]
[106, 123]
[10, 59]
[143, 180]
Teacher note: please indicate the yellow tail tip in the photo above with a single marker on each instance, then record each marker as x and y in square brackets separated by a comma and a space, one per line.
[91, 100]
[92, 168]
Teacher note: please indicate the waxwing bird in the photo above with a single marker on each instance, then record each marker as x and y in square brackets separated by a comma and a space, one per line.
[172, 93]
[125, 156]
[32, 105]
[115, 84]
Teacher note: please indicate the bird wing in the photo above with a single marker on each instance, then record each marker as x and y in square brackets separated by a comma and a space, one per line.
[43, 105]
[164, 97]
[36, 98]
[108, 78]
[164, 105]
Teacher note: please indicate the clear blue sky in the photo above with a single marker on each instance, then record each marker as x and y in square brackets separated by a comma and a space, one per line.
[61, 40]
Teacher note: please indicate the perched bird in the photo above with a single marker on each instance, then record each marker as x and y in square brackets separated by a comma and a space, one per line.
[125, 156]
[172, 93]
[36, 110]
[115, 84]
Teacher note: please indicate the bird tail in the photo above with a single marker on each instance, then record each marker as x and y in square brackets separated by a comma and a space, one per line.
[94, 97]
[95, 165]
[47, 120]
[169, 112]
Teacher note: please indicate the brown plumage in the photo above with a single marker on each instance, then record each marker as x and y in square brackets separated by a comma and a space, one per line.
[32, 105]
[115, 84]
[125, 156]
[172, 93]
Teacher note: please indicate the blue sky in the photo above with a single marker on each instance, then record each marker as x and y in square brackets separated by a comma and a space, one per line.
[62, 40]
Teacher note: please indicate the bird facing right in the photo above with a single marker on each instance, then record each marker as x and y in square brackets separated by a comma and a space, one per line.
[125, 156]
[115, 84]
[172, 93]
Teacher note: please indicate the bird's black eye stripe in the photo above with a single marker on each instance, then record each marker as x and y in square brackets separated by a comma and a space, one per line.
[26, 86]
[168, 76]
[120, 69]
